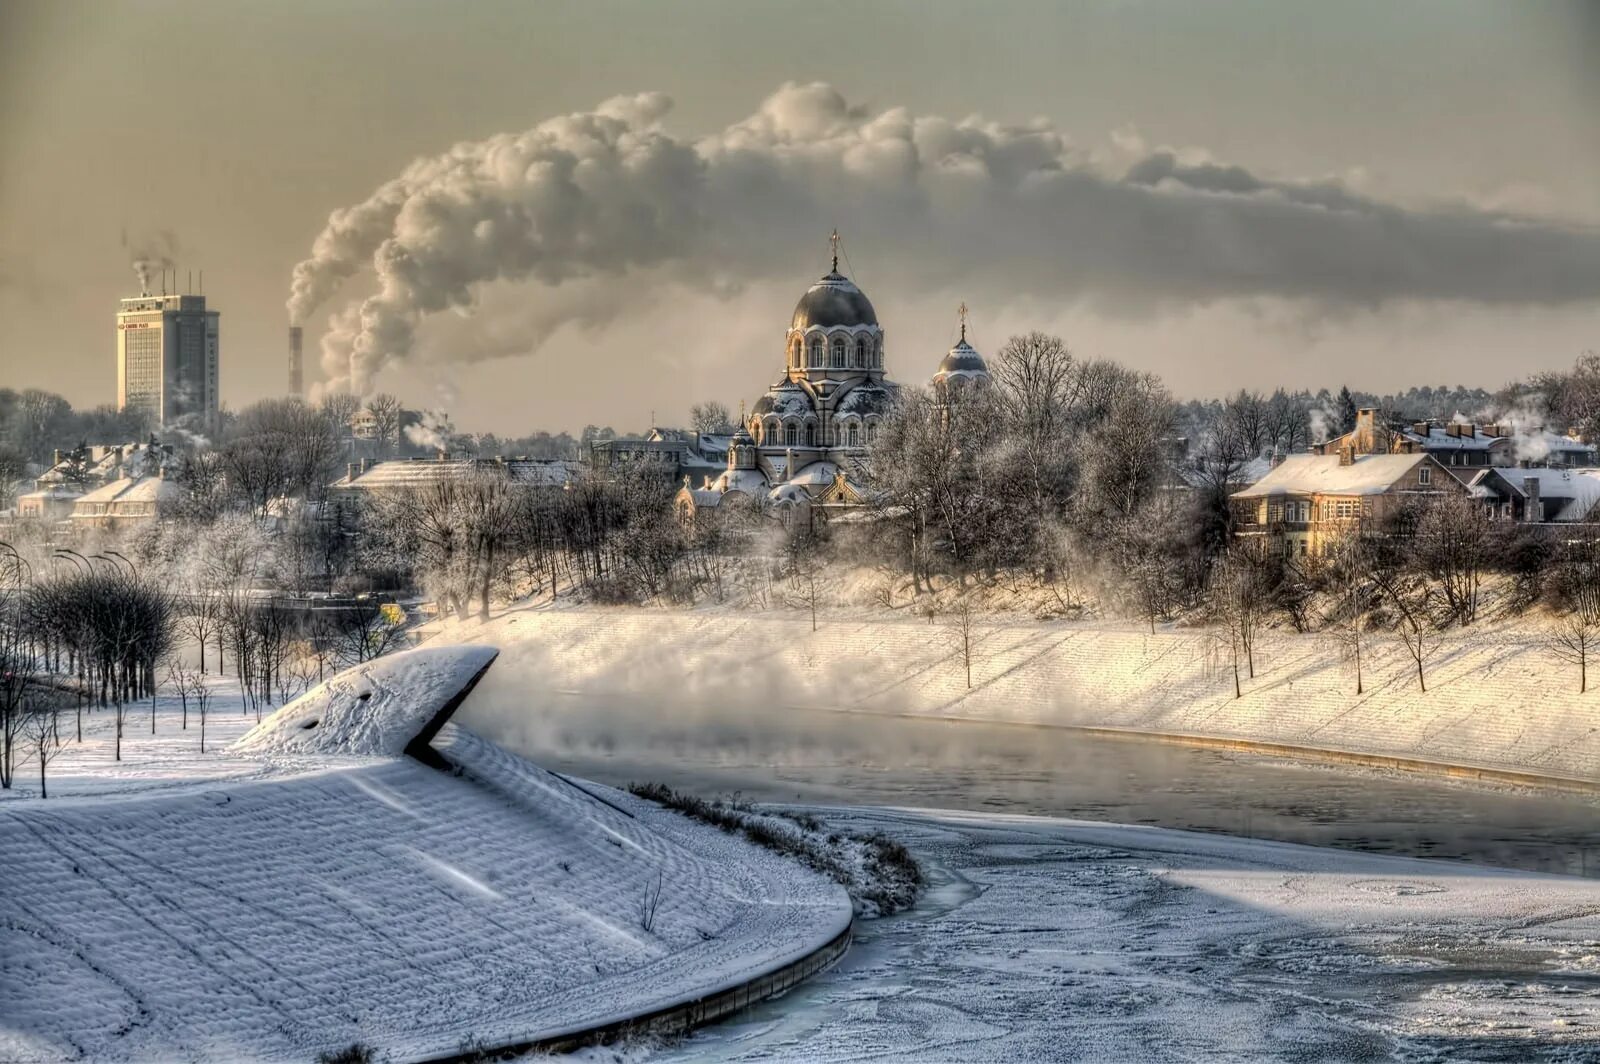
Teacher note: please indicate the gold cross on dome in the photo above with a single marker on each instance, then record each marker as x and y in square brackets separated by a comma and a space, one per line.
[961, 312]
[834, 240]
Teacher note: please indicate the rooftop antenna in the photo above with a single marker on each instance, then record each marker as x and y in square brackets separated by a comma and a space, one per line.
[961, 312]
[189, 288]
[834, 240]
[202, 283]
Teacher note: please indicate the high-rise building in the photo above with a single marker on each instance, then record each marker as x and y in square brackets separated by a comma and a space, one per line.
[167, 358]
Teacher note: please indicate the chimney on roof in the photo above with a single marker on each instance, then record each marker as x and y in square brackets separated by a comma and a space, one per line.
[1277, 457]
[367, 463]
[350, 471]
[1347, 454]
[56, 457]
[1533, 507]
[116, 463]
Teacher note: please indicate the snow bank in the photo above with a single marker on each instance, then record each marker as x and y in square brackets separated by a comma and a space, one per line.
[1495, 697]
[375, 709]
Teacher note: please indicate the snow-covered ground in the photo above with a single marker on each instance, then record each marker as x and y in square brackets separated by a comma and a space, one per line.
[1047, 939]
[1495, 694]
[277, 905]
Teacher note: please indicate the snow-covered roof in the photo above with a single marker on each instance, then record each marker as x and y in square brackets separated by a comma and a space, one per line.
[1439, 439]
[784, 399]
[141, 489]
[376, 709]
[749, 481]
[1322, 474]
[417, 473]
[1579, 489]
[865, 399]
[51, 495]
[816, 474]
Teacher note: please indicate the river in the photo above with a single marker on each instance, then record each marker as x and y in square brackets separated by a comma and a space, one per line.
[816, 757]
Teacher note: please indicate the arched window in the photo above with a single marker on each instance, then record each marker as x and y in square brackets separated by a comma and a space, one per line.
[791, 434]
[855, 434]
[818, 345]
[864, 353]
[840, 359]
[811, 433]
[797, 353]
[872, 431]
[877, 354]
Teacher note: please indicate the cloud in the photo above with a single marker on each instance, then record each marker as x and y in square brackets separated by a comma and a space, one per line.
[599, 212]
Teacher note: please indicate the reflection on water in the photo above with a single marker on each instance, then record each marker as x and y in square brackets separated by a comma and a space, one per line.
[806, 755]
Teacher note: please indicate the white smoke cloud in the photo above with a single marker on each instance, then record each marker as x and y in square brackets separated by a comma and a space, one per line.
[609, 206]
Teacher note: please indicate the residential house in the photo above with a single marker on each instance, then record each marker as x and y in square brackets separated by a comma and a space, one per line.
[1309, 500]
[1538, 495]
[1461, 445]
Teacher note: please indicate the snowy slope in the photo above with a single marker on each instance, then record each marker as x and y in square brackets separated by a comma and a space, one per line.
[374, 899]
[1495, 696]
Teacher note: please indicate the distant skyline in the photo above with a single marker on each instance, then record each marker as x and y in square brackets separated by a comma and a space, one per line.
[1241, 194]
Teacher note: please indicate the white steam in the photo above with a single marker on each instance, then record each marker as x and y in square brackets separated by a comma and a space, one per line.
[611, 202]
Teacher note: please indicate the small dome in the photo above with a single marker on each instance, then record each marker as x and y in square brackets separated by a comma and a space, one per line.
[835, 300]
[963, 362]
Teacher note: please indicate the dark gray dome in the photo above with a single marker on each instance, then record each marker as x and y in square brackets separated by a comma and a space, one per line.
[963, 361]
[834, 300]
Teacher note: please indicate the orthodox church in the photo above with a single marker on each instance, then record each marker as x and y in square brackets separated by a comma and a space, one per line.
[806, 441]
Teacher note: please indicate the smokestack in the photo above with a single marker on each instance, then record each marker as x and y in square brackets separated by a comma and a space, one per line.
[296, 382]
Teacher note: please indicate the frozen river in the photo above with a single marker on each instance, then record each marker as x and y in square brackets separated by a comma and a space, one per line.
[812, 757]
[1044, 938]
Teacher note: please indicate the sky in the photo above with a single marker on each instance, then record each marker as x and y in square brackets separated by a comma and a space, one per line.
[558, 214]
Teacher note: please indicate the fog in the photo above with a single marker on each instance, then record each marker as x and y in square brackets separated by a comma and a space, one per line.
[724, 735]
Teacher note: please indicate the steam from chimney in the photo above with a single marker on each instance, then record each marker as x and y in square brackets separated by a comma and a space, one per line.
[609, 199]
[296, 370]
[151, 255]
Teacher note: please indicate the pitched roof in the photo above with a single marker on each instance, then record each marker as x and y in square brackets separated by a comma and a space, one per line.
[1314, 474]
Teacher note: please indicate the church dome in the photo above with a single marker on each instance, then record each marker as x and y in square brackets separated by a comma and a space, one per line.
[962, 363]
[833, 301]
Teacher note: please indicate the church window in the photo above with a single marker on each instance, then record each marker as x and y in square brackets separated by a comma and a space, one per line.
[877, 354]
[855, 434]
[797, 354]
[839, 353]
[811, 434]
[791, 434]
[816, 351]
[864, 353]
[872, 432]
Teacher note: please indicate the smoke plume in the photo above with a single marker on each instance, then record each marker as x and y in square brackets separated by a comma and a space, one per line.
[151, 255]
[609, 205]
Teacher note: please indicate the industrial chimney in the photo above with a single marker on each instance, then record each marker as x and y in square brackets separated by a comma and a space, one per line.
[296, 379]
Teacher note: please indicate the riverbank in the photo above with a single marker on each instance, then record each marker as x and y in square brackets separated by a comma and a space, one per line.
[1496, 699]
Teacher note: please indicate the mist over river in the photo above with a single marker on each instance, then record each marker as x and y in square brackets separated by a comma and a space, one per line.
[816, 757]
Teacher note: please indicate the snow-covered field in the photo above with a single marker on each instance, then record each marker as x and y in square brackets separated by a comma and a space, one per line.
[1054, 940]
[1495, 695]
[277, 905]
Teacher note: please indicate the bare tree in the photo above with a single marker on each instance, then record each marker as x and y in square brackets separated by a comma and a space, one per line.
[1345, 571]
[1573, 634]
[961, 619]
[1241, 601]
[385, 411]
[710, 417]
[1452, 545]
[41, 735]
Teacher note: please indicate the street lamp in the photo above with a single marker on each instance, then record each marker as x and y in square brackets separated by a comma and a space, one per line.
[131, 569]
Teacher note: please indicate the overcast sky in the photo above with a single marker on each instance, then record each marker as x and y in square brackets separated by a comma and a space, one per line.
[1227, 194]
